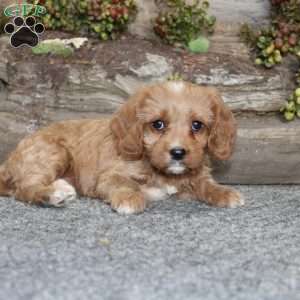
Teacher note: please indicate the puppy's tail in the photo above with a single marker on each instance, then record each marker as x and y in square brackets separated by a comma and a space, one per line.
[5, 190]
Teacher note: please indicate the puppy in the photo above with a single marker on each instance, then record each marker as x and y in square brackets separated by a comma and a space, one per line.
[158, 144]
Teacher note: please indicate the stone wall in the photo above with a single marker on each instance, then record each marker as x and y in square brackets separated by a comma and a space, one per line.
[97, 79]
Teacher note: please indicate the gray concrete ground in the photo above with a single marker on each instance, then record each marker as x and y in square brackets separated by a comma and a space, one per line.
[175, 250]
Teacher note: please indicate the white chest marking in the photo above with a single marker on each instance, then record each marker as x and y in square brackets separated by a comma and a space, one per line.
[171, 190]
[176, 86]
[156, 193]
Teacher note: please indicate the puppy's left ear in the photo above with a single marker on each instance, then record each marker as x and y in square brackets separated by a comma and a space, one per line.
[127, 129]
[223, 131]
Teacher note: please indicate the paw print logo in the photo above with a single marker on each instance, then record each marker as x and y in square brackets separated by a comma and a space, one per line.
[24, 32]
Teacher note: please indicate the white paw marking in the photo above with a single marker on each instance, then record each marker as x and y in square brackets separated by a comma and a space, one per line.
[125, 210]
[236, 201]
[64, 192]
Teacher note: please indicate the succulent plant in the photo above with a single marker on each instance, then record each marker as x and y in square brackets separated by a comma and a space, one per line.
[298, 77]
[175, 77]
[273, 43]
[278, 2]
[3, 19]
[102, 18]
[181, 23]
[281, 37]
[199, 45]
[291, 108]
[289, 9]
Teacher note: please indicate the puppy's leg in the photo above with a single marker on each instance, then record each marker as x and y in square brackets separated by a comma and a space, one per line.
[35, 168]
[5, 189]
[55, 194]
[34, 193]
[123, 194]
[217, 195]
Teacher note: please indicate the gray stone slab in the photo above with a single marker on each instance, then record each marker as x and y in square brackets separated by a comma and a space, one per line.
[101, 76]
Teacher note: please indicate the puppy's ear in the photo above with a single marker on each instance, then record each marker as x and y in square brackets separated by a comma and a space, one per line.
[223, 131]
[127, 129]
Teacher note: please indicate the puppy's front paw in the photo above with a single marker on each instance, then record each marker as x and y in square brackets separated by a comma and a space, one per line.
[221, 196]
[126, 201]
[229, 198]
[63, 193]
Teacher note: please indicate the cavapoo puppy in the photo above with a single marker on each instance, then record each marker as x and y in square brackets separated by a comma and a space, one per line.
[158, 144]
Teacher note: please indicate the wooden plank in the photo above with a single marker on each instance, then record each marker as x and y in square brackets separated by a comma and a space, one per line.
[267, 152]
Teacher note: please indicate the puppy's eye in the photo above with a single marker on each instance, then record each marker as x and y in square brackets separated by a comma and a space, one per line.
[158, 125]
[196, 126]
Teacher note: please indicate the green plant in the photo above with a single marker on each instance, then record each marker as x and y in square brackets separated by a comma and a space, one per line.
[103, 18]
[2, 23]
[271, 44]
[3, 19]
[281, 37]
[175, 77]
[289, 9]
[247, 35]
[181, 23]
[298, 77]
[199, 45]
[55, 48]
[291, 108]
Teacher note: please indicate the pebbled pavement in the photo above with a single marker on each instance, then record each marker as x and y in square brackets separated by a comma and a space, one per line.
[175, 250]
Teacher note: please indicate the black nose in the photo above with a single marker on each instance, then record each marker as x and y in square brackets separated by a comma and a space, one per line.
[177, 153]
